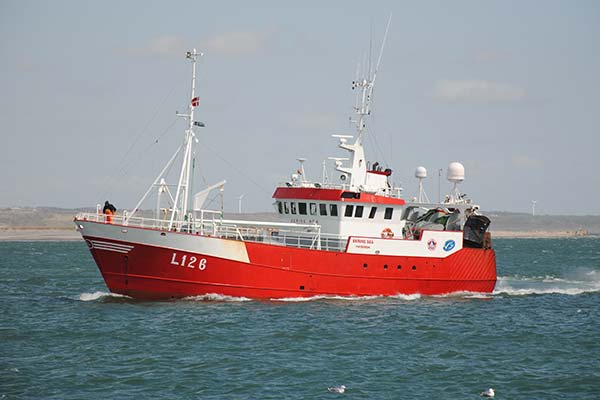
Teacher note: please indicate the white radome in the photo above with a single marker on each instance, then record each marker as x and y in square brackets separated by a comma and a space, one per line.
[456, 172]
[421, 173]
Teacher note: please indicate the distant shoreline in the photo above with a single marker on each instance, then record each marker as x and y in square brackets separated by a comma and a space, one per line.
[38, 234]
[70, 234]
[538, 234]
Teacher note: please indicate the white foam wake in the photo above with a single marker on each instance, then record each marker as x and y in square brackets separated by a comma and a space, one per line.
[464, 295]
[578, 282]
[216, 297]
[99, 295]
[347, 298]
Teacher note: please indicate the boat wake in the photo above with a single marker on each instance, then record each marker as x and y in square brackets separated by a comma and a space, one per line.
[580, 282]
[216, 297]
[99, 296]
[407, 297]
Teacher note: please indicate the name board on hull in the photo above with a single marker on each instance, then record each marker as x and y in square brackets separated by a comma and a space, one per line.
[438, 244]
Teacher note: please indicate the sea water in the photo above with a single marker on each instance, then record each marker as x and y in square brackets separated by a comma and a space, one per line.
[63, 336]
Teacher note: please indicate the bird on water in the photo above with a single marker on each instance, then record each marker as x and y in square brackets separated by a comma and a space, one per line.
[337, 389]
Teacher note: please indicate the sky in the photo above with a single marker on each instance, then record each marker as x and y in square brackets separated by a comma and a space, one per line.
[89, 92]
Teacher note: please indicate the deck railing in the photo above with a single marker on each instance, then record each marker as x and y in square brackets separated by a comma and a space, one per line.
[394, 192]
[209, 223]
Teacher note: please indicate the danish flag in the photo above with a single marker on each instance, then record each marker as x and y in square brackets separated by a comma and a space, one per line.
[195, 101]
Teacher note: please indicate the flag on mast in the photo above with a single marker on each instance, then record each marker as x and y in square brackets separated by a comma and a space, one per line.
[195, 101]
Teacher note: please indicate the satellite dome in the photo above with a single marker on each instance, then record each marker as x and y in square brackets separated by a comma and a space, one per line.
[421, 173]
[456, 172]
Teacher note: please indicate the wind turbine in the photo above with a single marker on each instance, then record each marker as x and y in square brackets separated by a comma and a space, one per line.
[533, 207]
[240, 203]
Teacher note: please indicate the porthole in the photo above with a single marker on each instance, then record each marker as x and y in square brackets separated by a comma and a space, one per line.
[414, 267]
[365, 265]
[385, 266]
[399, 267]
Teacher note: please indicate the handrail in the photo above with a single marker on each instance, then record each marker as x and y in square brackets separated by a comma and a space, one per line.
[275, 233]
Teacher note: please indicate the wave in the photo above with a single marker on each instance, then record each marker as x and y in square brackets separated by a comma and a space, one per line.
[215, 297]
[100, 295]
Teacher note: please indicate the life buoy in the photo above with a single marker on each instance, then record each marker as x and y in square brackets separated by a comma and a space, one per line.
[387, 233]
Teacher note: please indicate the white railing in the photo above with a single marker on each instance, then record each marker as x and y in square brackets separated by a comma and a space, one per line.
[211, 224]
[394, 192]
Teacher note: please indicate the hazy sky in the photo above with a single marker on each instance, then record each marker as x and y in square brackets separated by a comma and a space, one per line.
[89, 92]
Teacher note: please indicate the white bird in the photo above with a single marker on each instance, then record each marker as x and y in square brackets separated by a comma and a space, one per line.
[337, 389]
[488, 393]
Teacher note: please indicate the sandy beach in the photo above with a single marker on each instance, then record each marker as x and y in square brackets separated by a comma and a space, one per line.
[38, 234]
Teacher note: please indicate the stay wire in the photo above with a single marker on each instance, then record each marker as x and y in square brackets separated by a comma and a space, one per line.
[109, 180]
[135, 160]
[239, 171]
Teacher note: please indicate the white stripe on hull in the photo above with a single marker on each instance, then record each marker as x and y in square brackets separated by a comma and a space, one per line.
[109, 246]
[216, 247]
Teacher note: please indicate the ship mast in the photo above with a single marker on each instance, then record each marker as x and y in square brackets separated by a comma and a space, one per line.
[182, 195]
[358, 170]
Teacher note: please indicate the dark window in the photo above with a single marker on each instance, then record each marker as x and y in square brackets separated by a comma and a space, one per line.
[388, 213]
[280, 207]
[323, 209]
[359, 211]
[293, 207]
[350, 195]
[372, 212]
[333, 210]
[302, 208]
[286, 208]
[349, 210]
[312, 208]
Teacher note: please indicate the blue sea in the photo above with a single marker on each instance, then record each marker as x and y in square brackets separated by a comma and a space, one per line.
[63, 336]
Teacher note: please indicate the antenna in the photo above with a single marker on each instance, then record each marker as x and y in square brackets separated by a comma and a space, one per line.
[420, 174]
[387, 28]
[367, 84]
[324, 174]
[456, 175]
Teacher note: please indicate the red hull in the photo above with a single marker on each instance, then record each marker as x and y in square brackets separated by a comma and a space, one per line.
[153, 272]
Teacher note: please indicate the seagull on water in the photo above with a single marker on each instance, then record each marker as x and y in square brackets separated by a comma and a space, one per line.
[488, 393]
[337, 389]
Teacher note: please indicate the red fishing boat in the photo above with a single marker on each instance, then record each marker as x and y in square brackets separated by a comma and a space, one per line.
[349, 236]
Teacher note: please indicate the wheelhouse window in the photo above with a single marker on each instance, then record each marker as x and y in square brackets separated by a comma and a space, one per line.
[312, 209]
[349, 210]
[389, 211]
[280, 207]
[286, 207]
[358, 213]
[323, 209]
[372, 212]
[293, 207]
[333, 211]
[302, 208]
